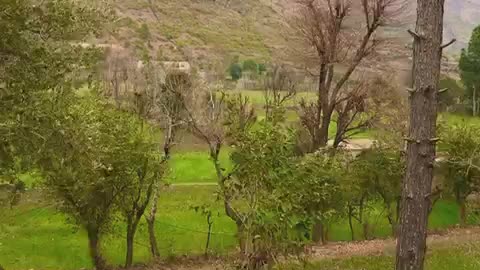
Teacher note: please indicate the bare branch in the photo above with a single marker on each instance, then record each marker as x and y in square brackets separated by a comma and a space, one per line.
[448, 44]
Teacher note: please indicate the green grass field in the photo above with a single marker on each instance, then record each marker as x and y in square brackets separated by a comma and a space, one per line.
[33, 236]
[196, 167]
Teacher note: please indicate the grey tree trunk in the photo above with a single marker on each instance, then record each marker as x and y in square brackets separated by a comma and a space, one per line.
[151, 224]
[417, 185]
[131, 230]
[474, 101]
[94, 249]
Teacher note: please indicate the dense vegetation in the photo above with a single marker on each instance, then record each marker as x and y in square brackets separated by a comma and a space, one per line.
[106, 161]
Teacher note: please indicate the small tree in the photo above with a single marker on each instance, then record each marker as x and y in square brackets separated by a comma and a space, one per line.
[380, 172]
[318, 191]
[86, 167]
[145, 173]
[462, 164]
[470, 69]
[206, 211]
[260, 189]
[250, 66]
[280, 87]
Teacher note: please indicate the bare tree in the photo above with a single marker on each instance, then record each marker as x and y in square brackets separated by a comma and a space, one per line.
[154, 94]
[421, 141]
[332, 51]
[331, 45]
[166, 108]
[214, 118]
[280, 87]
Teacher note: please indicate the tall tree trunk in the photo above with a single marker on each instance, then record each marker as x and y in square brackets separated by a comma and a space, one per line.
[474, 101]
[94, 249]
[366, 230]
[131, 229]
[318, 233]
[417, 186]
[463, 213]
[350, 221]
[151, 224]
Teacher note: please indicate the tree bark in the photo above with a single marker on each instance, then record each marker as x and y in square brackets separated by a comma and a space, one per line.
[131, 229]
[474, 101]
[366, 230]
[318, 233]
[93, 246]
[350, 222]
[463, 213]
[417, 185]
[151, 224]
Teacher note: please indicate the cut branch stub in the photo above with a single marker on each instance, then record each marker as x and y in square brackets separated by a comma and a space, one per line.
[415, 35]
[442, 90]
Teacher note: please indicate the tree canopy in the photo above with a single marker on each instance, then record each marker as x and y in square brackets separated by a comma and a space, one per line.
[469, 65]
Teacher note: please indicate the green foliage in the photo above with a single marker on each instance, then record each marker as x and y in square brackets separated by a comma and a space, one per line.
[469, 65]
[37, 236]
[316, 189]
[100, 161]
[235, 71]
[39, 64]
[462, 165]
[378, 174]
[251, 66]
[262, 173]
[262, 68]
[451, 100]
[144, 32]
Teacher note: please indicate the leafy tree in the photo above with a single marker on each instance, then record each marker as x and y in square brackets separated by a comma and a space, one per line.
[89, 164]
[235, 71]
[449, 100]
[469, 65]
[258, 190]
[462, 164]
[316, 191]
[262, 68]
[250, 65]
[380, 173]
[144, 163]
[38, 65]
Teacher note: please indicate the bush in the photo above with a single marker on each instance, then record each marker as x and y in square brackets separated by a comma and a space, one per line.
[250, 65]
[235, 71]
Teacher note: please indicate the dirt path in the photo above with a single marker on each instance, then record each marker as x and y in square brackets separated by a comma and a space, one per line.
[387, 246]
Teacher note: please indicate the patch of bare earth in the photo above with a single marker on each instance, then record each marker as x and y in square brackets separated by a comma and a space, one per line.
[387, 246]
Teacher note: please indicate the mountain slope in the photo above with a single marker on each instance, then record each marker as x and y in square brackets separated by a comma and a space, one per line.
[200, 29]
[209, 31]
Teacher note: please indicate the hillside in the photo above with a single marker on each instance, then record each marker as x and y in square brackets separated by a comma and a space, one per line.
[208, 32]
[461, 17]
[199, 30]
